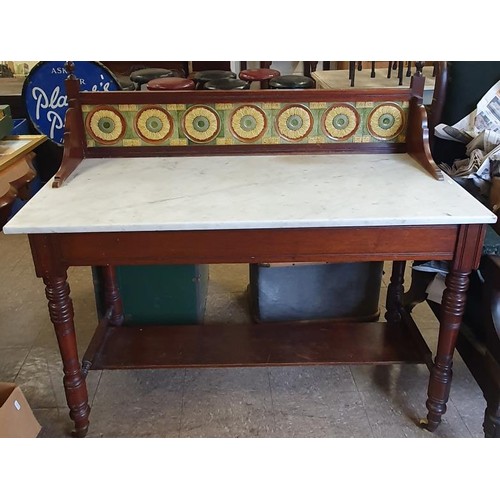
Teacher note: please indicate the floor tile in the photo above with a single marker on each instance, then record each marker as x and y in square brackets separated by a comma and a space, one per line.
[227, 414]
[226, 379]
[396, 415]
[137, 403]
[319, 414]
[228, 278]
[35, 380]
[55, 422]
[390, 378]
[11, 361]
[469, 401]
[312, 378]
[319, 401]
[233, 308]
[19, 328]
[227, 402]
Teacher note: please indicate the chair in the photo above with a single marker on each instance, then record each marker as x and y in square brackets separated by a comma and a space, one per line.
[171, 83]
[479, 338]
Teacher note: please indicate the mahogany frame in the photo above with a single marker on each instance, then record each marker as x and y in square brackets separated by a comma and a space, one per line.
[115, 345]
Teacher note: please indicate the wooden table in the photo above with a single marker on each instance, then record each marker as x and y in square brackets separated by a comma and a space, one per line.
[16, 170]
[251, 209]
[339, 79]
[11, 94]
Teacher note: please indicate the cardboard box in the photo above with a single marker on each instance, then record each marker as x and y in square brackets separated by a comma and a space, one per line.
[16, 417]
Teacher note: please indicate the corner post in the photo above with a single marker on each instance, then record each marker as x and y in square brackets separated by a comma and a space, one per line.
[74, 139]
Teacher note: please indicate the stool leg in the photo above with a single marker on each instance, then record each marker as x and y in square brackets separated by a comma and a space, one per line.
[400, 72]
[352, 72]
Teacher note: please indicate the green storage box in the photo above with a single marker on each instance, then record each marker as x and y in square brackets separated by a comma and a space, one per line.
[159, 294]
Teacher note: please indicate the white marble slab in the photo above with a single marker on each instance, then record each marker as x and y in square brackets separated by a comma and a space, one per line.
[243, 192]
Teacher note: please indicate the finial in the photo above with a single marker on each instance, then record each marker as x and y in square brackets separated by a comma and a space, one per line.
[70, 68]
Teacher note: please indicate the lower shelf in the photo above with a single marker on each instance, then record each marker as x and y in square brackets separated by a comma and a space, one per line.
[257, 344]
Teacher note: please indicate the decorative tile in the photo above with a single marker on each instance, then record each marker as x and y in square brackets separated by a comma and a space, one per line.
[386, 121]
[227, 124]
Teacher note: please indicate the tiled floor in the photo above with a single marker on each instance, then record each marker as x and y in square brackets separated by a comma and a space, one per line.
[338, 401]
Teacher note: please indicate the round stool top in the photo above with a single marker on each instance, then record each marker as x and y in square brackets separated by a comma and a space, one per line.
[212, 74]
[125, 82]
[258, 74]
[291, 82]
[171, 83]
[145, 75]
[227, 84]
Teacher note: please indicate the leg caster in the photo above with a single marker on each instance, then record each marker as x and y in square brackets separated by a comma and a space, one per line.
[428, 426]
[80, 432]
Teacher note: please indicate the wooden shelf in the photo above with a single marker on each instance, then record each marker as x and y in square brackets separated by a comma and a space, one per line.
[269, 344]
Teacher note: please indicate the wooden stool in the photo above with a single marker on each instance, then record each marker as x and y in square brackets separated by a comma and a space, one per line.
[227, 84]
[142, 76]
[202, 77]
[262, 75]
[170, 83]
[291, 82]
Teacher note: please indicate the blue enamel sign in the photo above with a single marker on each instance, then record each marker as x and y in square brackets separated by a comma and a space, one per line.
[45, 94]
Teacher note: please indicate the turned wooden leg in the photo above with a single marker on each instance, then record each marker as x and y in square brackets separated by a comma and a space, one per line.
[61, 315]
[395, 292]
[408, 70]
[112, 297]
[113, 315]
[452, 309]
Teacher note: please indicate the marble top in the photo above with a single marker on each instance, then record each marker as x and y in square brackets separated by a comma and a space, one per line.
[245, 192]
